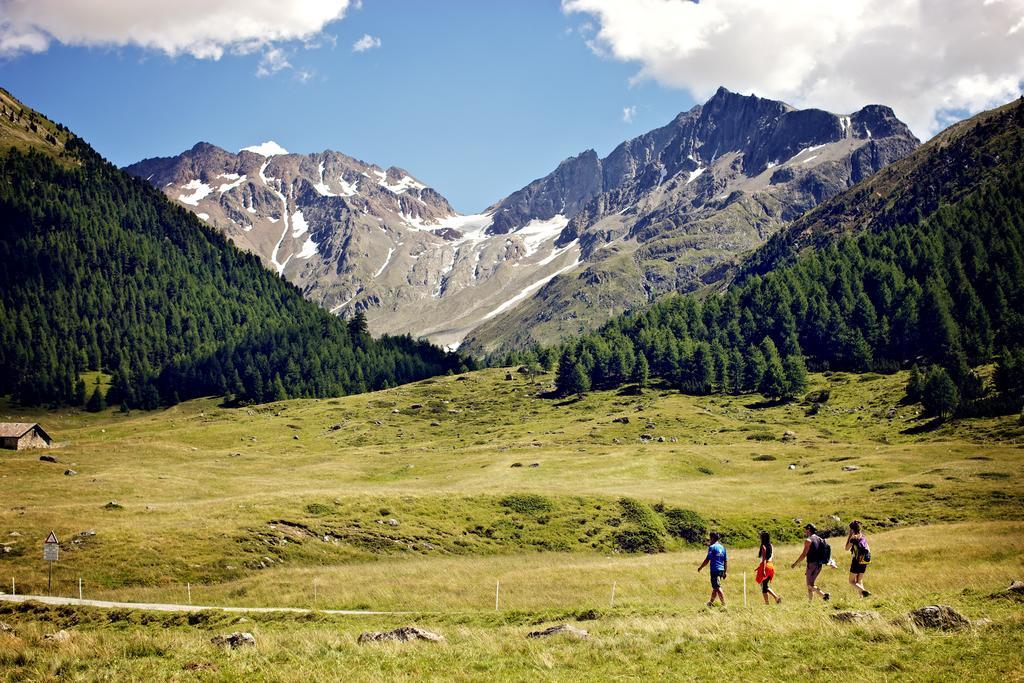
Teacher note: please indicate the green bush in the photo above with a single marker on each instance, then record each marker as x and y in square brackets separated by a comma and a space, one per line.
[686, 524]
[525, 503]
[641, 514]
[318, 509]
[639, 541]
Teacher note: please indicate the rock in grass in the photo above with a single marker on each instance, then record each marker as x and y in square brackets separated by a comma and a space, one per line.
[850, 468]
[70, 473]
[789, 435]
[48, 458]
[113, 505]
[235, 640]
[1017, 587]
[853, 616]
[6, 628]
[403, 634]
[941, 617]
[560, 629]
[60, 636]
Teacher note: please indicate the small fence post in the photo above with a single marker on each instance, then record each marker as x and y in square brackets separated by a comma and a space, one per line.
[189, 587]
[13, 591]
[497, 588]
[79, 587]
[612, 603]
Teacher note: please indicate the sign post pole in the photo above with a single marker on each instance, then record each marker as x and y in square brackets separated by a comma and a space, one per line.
[51, 552]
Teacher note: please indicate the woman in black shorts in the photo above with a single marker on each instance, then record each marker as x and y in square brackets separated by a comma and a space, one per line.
[857, 544]
[766, 570]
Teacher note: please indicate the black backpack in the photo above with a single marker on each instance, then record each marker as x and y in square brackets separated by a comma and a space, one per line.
[821, 552]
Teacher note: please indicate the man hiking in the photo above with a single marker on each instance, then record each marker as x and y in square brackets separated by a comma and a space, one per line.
[818, 553]
[719, 561]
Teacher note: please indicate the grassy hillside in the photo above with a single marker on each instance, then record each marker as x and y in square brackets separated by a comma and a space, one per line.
[483, 467]
[254, 506]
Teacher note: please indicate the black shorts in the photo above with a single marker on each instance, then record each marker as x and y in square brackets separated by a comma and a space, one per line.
[716, 579]
[857, 568]
[765, 586]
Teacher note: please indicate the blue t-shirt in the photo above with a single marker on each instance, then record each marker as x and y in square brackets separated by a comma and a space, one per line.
[717, 555]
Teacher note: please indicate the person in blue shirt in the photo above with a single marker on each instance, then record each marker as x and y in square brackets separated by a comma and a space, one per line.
[719, 561]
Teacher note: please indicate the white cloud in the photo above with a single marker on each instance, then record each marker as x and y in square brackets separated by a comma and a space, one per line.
[926, 59]
[367, 42]
[628, 114]
[273, 60]
[204, 29]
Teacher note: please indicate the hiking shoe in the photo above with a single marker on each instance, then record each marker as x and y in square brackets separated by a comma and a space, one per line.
[826, 597]
[865, 594]
[778, 601]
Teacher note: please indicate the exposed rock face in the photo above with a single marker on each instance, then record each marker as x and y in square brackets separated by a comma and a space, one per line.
[235, 640]
[403, 634]
[848, 617]
[665, 211]
[676, 204]
[357, 237]
[560, 629]
[941, 617]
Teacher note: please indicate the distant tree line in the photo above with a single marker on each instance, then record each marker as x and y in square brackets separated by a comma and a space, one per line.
[99, 271]
[945, 293]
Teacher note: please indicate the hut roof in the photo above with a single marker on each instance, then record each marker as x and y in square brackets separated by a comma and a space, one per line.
[19, 429]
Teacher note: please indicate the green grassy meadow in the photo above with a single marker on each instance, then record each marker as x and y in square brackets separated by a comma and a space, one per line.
[420, 498]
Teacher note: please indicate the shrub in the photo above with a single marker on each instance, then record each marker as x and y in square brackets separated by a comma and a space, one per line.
[764, 458]
[525, 503]
[686, 524]
[318, 509]
[639, 541]
[641, 515]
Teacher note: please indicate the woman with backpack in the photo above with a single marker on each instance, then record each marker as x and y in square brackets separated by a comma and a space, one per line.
[857, 544]
[766, 569]
[818, 554]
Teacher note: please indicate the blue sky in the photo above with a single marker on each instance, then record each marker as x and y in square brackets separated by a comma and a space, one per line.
[476, 99]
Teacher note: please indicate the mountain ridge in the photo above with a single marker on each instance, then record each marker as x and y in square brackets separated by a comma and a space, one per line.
[595, 236]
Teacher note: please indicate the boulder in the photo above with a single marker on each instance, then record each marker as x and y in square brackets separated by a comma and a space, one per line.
[622, 420]
[1017, 587]
[661, 439]
[560, 629]
[403, 634]
[645, 437]
[516, 464]
[235, 640]
[60, 636]
[941, 617]
[853, 616]
[5, 628]
[70, 473]
[48, 458]
[850, 468]
[792, 466]
[113, 505]
[534, 464]
[789, 435]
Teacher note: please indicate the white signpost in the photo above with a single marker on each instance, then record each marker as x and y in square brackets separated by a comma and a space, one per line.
[51, 552]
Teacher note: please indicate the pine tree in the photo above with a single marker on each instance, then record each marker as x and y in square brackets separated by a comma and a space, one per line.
[571, 378]
[915, 384]
[79, 398]
[940, 396]
[796, 375]
[96, 402]
[641, 372]
[773, 381]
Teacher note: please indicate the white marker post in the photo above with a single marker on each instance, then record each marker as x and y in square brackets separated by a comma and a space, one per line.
[744, 589]
[612, 603]
[497, 588]
[188, 586]
[79, 587]
[51, 552]
[13, 592]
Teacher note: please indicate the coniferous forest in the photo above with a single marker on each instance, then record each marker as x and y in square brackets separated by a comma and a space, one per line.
[98, 271]
[942, 294]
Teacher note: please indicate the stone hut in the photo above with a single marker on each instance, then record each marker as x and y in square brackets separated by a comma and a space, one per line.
[21, 435]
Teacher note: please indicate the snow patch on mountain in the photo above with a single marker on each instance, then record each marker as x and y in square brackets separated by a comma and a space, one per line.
[199, 191]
